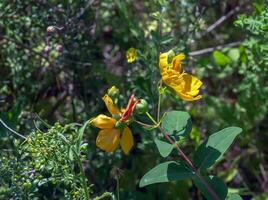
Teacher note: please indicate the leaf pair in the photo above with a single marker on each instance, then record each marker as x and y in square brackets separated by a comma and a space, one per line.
[177, 123]
[174, 123]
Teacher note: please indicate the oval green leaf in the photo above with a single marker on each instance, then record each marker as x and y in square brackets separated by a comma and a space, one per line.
[209, 152]
[164, 148]
[221, 59]
[166, 172]
[234, 54]
[177, 123]
[216, 184]
[234, 197]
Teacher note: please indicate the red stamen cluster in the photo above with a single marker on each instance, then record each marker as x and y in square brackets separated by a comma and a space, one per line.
[132, 102]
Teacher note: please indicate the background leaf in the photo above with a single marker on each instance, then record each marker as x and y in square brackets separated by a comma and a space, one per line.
[177, 123]
[234, 197]
[220, 58]
[215, 183]
[214, 147]
[234, 54]
[164, 148]
[166, 172]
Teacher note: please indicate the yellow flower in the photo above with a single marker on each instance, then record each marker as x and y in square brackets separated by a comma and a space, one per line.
[109, 137]
[185, 85]
[131, 55]
[168, 60]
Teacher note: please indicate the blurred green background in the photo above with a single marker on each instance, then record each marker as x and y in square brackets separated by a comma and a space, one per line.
[61, 75]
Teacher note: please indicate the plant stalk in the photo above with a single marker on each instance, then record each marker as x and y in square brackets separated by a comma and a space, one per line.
[186, 159]
[83, 175]
[117, 188]
[11, 130]
[159, 102]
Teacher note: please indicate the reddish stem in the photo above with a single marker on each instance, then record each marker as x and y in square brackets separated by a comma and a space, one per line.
[189, 162]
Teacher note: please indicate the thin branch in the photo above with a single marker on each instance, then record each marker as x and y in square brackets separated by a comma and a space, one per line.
[80, 13]
[220, 21]
[11, 130]
[211, 49]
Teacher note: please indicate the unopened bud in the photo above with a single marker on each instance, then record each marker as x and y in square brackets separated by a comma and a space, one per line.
[142, 107]
[116, 116]
[113, 92]
[171, 55]
[59, 48]
[47, 49]
[51, 29]
[119, 125]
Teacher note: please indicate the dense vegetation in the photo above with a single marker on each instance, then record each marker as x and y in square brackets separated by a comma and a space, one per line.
[58, 59]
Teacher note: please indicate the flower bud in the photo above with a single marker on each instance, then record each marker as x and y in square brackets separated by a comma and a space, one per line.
[51, 29]
[116, 116]
[47, 49]
[113, 92]
[59, 48]
[26, 185]
[142, 107]
[171, 55]
[119, 125]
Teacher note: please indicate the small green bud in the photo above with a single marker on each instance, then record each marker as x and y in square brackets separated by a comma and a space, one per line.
[171, 55]
[113, 92]
[119, 125]
[116, 116]
[142, 107]
[83, 147]
[26, 185]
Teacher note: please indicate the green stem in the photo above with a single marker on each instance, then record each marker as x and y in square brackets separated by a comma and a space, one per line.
[144, 124]
[186, 159]
[117, 188]
[82, 175]
[151, 118]
[11, 130]
[159, 102]
[158, 53]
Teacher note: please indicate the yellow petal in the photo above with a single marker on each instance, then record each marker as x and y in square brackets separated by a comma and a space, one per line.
[171, 77]
[110, 105]
[176, 62]
[127, 140]
[131, 55]
[163, 61]
[196, 83]
[191, 82]
[188, 89]
[187, 97]
[103, 121]
[108, 139]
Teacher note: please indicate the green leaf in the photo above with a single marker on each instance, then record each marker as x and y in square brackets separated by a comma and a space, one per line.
[70, 154]
[82, 130]
[220, 58]
[166, 172]
[209, 152]
[234, 197]
[216, 184]
[234, 54]
[177, 123]
[164, 148]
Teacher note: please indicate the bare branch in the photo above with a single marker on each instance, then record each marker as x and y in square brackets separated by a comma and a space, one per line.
[211, 49]
[80, 13]
[220, 21]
